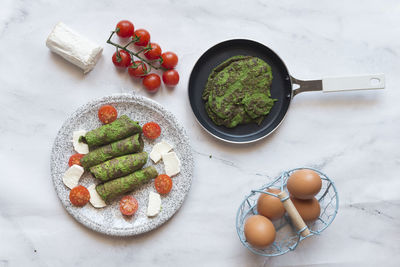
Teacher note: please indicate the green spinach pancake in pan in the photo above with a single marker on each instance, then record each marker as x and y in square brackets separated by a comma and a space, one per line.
[238, 91]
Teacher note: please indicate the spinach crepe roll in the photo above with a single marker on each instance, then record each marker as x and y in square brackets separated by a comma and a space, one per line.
[106, 134]
[120, 166]
[132, 144]
[111, 189]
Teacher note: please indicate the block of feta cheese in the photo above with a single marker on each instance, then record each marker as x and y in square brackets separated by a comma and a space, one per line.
[95, 198]
[72, 175]
[171, 164]
[79, 147]
[154, 205]
[74, 47]
[158, 150]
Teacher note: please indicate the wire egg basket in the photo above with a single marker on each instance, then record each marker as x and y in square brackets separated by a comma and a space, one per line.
[288, 233]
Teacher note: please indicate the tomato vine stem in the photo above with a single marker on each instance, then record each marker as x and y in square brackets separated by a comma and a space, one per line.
[136, 54]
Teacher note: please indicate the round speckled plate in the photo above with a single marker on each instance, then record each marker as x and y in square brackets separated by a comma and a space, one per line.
[109, 220]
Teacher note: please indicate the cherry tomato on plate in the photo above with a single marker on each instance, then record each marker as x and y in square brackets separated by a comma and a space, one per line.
[125, 28]
[170, 60]
[121, 59]
[79, 196]
[137, 70]
[144, 37]
[75, 159]
[151, 130]
[163, 184]
[154, 53]
[128, 205]
[170, 77]
[107, 114]
[151, 81]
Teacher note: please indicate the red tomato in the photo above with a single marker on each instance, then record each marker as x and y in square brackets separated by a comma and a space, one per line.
[163, 184]
[128, 205]
[122, 59]
[170, 77]
[154, 53]
[125, 28]
[75, 159]
[152, 81]
[151, 130]
[107, 114]
[79, 196]
[144, 37]
[139, 70]
[170, 60]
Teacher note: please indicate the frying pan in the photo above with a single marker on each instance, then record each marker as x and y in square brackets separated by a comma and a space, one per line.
[281, 88]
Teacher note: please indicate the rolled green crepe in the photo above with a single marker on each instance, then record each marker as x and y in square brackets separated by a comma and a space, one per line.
[106, 134]
[120, 166]
[111, 189]
[132, 144]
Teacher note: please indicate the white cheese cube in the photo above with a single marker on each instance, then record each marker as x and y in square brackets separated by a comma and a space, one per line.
[154, 206]
[72, 175]
[171, 164]
[74, 47]
[95, 198]
[79, 147]
[158, 150]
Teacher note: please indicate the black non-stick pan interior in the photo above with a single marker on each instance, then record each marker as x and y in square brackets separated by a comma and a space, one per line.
[280, 89]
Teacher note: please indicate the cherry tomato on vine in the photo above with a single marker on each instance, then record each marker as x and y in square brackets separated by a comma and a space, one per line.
[125, 29]
[144, 37]
[79, 196]
[137, 70]
[154, 53]
[163, 184]
[122, 59]
[151, 81]
[170, 77]
[107, 114]
[151, 130]
[128, 205]
[170, 60]
[75, 159]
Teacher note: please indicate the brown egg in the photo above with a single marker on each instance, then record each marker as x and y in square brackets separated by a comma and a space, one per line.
[309, 209]
[270, 206]
[304, 184]
[259, 231]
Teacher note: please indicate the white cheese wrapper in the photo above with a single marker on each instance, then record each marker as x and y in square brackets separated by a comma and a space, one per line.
[74, 47]
[79, 147]
[95, 198]
[172, 164]
[154, 205]
[158, 150]
[72, 175]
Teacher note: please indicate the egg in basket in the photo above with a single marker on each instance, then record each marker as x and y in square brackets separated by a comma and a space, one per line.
[274, 219]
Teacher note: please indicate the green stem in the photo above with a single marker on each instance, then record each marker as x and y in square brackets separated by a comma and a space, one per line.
[130, 42]
[135, 54]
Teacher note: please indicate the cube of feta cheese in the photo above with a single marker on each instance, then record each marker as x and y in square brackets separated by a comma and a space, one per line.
[79, 147]
[171, 164]
[158, 150]
[72, 175]
[95, 198]
[154, 205]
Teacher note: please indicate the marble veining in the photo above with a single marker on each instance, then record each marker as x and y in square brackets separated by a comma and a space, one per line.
[350, 136]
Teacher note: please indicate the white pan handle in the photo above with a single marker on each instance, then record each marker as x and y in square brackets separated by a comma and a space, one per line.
[364, 82]
[336, 84]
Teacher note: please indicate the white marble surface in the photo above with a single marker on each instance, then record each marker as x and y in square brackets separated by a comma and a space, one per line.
[353, 136]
